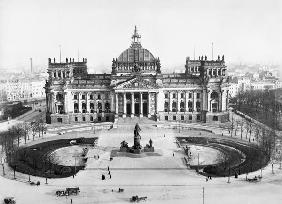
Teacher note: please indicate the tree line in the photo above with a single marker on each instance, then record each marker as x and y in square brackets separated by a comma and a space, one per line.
[11, 138]
[261, 105]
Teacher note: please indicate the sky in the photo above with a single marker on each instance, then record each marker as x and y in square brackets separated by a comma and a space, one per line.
[245, 31]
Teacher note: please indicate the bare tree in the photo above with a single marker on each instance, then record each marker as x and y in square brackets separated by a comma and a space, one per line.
[241, 125]
[26, 128]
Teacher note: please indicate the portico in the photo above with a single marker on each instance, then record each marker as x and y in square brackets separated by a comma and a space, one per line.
[135, 103]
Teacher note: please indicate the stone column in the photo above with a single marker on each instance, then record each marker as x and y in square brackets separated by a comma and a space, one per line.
[194, 101]
[149, 111]
[65, 102]
[178, 101]
[141, 104]
[170, 101]
[205, 100]
[132, 105]
[79, 103]
[116, 104]
[220, 102]
[88, 102]
[124, 105]
[186, 102]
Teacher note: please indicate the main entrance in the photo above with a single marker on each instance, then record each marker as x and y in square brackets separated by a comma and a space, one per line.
[128, 109]
[134, 104]
[137, 108]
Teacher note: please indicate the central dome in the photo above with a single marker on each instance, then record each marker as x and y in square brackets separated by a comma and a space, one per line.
[136, 54]
[136, 59]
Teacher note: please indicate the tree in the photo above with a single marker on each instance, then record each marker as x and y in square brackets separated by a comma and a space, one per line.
[26, 128]
[241, 125]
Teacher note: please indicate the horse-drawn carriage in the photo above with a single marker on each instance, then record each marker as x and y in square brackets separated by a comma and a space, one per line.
[68, 191]
[137, 198]
[9, 200]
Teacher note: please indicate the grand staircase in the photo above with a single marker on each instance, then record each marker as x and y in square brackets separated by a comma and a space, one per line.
[129, 122]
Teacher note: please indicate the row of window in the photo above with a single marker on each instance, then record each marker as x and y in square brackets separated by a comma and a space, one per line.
[99, 107]
[182, 95]
[182, 106]
[182, 117]
[99, 119]
[91, 97]
[61, 74]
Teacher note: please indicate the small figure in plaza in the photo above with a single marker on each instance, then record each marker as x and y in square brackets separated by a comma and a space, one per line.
[151, 143]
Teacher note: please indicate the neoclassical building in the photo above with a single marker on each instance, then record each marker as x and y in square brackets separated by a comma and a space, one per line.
[136, 87]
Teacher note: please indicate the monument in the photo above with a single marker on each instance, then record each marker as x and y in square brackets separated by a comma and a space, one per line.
[136, 148]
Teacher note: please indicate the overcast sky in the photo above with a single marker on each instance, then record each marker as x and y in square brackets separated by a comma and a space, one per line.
[247, 31]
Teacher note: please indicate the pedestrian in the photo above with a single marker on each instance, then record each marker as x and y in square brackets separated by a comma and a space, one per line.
[207, 179]
[109, 173]
[108, 168]
[172, 154]
[71, 201]
[73, 176]
[110, 176]
[98, 156]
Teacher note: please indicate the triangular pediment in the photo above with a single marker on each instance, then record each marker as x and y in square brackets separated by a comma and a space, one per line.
[137, 83]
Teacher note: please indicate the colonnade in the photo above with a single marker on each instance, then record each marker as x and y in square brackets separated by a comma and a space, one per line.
[133, 101]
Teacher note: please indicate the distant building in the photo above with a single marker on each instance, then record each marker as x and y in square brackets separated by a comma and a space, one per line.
[136, 87]
[22, 89]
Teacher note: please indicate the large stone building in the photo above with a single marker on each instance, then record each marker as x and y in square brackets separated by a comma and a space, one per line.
[136, 87]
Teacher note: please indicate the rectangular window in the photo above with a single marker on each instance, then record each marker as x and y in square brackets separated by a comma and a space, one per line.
[75, 96]
[190, 117]
[174, 117]
[83, 118]
[198, 95]
[190, 95]
[91, 96]
[83, 96]
[107, 118]
[75, 119]
[91, 118]
[198, 117]
[99, 119]
[215, 118]
[166, 95]
[182, 117]
[182, 95]
[166, 117]
[174, 95]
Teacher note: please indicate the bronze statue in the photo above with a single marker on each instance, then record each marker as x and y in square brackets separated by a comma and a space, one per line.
[137, 137]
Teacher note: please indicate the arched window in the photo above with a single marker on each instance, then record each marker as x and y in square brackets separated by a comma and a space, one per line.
[198, 106]
[59, 97]
[99, 106]
[174, 107]
[214, 95]
[190, 106]
[75, 107]
[107, 107]
[91, 107]
[84, 108]
[182, 106]
[166, 106]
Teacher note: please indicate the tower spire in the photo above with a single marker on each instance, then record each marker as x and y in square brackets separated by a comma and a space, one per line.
[135, 36]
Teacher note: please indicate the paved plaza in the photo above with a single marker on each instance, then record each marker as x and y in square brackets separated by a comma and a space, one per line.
[163, 177]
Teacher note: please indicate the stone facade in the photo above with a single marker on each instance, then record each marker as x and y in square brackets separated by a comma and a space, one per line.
[136, 87]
